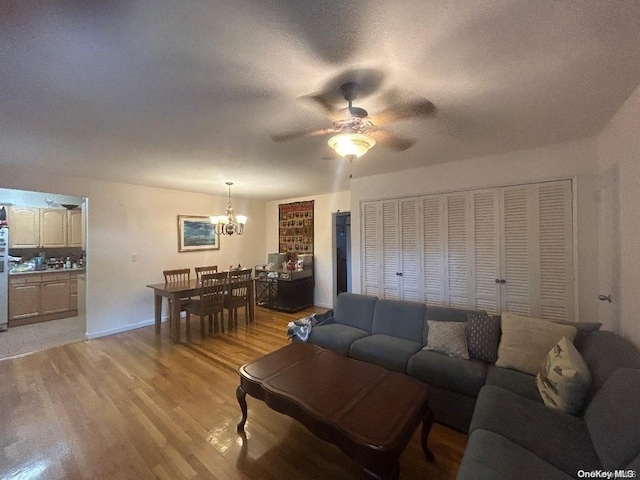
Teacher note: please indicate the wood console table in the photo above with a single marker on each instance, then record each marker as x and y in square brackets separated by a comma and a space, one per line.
[370, 413]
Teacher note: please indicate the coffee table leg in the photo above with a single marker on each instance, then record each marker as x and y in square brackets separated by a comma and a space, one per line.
[426, 428]
[240, 395]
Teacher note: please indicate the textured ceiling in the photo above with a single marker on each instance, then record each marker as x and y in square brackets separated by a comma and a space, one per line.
[185, 94]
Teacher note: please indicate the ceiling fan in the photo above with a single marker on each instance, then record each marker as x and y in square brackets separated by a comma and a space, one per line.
[355, 132]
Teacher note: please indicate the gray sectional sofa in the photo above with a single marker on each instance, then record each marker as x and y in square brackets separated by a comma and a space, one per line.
[512, 433]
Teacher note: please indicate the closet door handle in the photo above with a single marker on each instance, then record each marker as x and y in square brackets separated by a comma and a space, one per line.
[604, 298]
[500, 280]
[399, 274]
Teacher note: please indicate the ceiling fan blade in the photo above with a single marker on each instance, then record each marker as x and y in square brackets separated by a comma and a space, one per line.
[284, 137]
[321, 100]
[392, 141]
[420, 108]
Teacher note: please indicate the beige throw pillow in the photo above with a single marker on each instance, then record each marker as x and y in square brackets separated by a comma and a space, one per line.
[526, 341]
[564, 380]
[449, 338]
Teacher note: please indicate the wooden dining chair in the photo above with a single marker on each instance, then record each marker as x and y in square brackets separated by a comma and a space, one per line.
[212, 293]
[238, 295]
[205, 271]
[182, 275]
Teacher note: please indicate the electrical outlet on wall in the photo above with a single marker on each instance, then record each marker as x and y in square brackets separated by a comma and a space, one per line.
[134, 257]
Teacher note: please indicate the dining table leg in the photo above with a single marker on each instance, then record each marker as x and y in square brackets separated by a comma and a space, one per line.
[252, 303]
[157, 310]
[175, 317]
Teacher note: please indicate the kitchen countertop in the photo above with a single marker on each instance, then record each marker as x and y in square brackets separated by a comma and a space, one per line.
[48, 270]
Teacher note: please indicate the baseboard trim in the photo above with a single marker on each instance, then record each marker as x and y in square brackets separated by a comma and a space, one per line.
[124, 328]
[323, 305]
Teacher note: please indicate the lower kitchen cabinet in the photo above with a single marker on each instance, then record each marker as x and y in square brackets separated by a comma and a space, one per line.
[73, 292]
[24, 301]
[41, 297]
[55, 296]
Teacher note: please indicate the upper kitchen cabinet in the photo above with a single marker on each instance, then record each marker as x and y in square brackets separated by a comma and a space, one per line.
[45, 227]
[25, 227]
[74, 228]
[53, 227]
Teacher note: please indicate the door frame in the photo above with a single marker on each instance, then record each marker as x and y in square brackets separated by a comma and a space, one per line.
[334, 256]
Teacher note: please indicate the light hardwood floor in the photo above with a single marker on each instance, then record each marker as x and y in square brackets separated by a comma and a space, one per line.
[133, 405]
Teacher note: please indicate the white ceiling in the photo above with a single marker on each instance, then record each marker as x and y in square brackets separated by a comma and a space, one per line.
[184, 94]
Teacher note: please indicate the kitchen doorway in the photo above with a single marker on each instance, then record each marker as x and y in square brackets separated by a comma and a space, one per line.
[341, 253]
[43, 274]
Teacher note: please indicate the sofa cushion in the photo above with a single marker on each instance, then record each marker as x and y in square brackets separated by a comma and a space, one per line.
[564, 380]
[449, 338]
[526, 341]
[514, 381]
[583, 330]
[613, 419]
[455, 374]
[560, 439]
[355, 310]
[604, 352]
[336, 337]
[451, 408]
[490, 456]
[483, 336]
[389, 352]
[399, 319]
[448, 314]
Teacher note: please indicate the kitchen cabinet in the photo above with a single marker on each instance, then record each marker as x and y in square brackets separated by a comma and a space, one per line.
[73, 292]
[25, 227]
[53, 227]
[55, 296]
[45, 227]
[24, 298]
[74, 228]
[38, 297]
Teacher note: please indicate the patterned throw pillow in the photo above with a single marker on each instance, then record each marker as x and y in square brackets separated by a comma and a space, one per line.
[564, 379]
[483, 336]
[449, 338]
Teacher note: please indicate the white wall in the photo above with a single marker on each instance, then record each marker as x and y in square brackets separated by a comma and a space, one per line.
[577, 160]
[619, 144]
[125, 219]
[324, 206]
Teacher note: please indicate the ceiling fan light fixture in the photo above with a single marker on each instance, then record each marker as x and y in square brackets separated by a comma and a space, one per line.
[351, 145]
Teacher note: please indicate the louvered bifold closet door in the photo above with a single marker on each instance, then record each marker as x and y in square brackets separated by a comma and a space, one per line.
[433, 249]
[537, 250]
[456, 254]
[371, 251]
[519, 237]
[556, 250]
[410, 251]
[485, 242]
[390, 249]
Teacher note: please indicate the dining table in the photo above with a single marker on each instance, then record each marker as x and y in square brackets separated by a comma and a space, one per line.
[175, 291]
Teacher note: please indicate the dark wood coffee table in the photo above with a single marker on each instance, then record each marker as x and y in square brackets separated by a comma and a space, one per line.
[368, 412]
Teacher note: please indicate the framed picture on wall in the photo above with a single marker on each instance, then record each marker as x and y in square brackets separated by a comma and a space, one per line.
[196, 234]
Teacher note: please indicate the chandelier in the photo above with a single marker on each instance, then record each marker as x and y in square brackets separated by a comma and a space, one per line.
[351, 145]
[229, 223]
